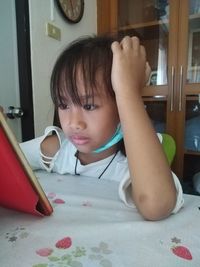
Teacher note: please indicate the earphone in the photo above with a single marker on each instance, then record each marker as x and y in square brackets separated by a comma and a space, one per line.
[117, 136]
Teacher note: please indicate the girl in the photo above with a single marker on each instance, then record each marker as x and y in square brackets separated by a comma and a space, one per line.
[96, 88]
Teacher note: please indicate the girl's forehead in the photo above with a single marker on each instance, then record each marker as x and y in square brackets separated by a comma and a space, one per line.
[82, 91]
[86, 92]
[85, 86]
[78, 83]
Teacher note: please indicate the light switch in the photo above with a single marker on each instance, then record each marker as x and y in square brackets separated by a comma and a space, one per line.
[53, 31]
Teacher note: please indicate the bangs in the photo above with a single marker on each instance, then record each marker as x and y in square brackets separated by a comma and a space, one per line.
[87, 60]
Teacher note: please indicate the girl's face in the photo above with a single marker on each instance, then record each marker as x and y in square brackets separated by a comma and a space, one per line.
[92, 124]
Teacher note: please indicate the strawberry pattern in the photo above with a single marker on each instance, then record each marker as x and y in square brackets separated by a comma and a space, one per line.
[180, 250]
[14, 235]
[64, 243]
[44, 252]
[63, 254]
[54, 199]
[89, 231]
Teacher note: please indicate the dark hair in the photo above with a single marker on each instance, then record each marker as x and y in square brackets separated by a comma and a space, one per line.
[91, 55]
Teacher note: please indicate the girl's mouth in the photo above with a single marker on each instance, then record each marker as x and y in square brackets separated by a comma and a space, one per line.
[79, 140]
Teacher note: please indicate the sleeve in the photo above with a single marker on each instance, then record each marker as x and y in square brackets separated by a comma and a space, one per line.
[125, 192]
[33, 154]
[160, 137]
[31, 150]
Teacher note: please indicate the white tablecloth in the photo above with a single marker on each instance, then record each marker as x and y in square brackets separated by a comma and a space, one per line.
[91, 227]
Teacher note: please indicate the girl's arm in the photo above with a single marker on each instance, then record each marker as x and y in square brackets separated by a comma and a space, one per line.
[41, 150]
[153, 187]
[50, 145]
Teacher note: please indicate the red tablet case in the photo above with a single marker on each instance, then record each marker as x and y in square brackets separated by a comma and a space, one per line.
[19, 188]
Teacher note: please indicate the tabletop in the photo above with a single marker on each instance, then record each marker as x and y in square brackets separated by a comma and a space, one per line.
[91, 227]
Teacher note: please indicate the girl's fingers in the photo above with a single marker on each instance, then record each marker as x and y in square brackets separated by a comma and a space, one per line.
[147, 72]
[132, 43]
[135, 41]
[126, 42]
[148, 68]
[143, 51]
[115, 46]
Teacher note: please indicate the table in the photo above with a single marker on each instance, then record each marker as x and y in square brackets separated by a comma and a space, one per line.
[91, 227]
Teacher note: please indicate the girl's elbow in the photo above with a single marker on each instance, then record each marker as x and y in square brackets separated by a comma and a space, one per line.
[156, 209]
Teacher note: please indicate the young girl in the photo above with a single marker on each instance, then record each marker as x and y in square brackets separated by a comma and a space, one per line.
[96, 88]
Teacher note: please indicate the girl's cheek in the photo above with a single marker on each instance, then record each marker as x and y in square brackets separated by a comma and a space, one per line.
[63, 123]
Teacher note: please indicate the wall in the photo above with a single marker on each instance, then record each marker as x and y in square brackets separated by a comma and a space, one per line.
[44, 51]
[9, 79]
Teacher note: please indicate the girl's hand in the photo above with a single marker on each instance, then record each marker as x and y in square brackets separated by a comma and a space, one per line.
[130, 71]
[147, 73]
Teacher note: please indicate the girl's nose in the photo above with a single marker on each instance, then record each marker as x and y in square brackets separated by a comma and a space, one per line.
[76, 121]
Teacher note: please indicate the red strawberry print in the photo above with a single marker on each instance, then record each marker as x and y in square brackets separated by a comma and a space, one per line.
[182, 252]
[64, 243]
[58, 201]
[44, 252]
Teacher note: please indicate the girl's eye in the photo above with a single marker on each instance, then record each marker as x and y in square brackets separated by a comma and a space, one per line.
[89, 107]
[63, 106]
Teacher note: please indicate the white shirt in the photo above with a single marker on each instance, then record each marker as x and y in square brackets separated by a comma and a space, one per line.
[64, 162]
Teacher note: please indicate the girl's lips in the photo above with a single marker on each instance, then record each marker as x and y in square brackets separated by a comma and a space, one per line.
[79, 140]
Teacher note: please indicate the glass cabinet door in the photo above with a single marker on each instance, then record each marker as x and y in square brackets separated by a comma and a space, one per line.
[157, 111]
[192, 93]
[192, 139]
[192, 124]
[192, 107]
[193, 70]
[149, 20]
[170, 32]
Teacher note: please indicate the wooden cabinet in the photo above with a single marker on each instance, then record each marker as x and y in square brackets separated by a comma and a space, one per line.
[170, 32]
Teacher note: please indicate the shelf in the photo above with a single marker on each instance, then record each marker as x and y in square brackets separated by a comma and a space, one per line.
[152, 23]
[192, 97]
[194, 21]
[194, 16]
[157, 98]
[143, 25]
[192, 153]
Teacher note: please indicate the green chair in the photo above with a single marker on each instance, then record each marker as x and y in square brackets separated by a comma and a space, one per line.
[169, 147]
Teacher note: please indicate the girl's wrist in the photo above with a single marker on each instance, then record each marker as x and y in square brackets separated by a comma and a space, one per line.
[130, 94]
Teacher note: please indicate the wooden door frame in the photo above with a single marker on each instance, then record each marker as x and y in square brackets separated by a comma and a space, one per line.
[24, 66]
[107, 11]
[182, 53]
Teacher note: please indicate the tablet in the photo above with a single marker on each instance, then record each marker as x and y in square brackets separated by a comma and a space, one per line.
[19, 188]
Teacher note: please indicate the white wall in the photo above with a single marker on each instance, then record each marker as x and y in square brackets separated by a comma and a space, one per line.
[9, 76]
[44, 51]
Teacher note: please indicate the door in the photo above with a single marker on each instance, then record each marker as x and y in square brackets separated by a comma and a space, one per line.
[188, 142]
[170, 31]
[155, 23]
[9, 77]
[15, 68]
